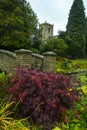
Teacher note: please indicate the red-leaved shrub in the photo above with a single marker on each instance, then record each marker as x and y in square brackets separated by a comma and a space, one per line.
[44, 95]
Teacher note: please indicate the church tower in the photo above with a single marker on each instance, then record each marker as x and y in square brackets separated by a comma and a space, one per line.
[46, 30]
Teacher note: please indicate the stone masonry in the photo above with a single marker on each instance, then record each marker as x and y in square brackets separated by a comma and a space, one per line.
[26, 58]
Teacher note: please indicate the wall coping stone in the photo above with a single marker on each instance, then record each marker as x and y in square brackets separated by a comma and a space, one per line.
[23, 51]
[49, 53]
[37, 55]
[9, 53]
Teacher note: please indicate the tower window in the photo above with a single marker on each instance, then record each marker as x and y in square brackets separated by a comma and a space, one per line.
[49, 29]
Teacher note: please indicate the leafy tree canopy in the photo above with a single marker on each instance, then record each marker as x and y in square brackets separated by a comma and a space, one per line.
[18, 23]
[56, 45]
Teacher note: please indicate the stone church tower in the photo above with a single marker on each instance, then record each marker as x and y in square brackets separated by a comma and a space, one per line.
[46, 30]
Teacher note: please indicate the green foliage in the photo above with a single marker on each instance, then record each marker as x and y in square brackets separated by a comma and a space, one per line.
[76, 119]
[4, 84]
[18, 23]
[36, 40]
[65, 65]
[56, 45]
[75, 34]
[86, 35]
[61, 34]
[56, 128]
[38, 127]
[84, 89]
[83, 79]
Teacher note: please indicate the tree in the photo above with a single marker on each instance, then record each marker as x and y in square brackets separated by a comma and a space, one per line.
[56, 45]
[18, 23]
[36, 41]
[61, 34]
[86, 35]
[75, 30]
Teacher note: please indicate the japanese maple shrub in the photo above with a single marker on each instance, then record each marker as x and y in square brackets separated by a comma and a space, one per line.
[45, 96]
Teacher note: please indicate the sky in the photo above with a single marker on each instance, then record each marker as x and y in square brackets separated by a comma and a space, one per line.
[55, 12]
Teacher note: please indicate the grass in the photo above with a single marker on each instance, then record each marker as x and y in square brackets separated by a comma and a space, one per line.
[7, 122]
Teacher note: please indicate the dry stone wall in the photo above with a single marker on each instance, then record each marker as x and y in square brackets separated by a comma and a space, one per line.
[26, 58]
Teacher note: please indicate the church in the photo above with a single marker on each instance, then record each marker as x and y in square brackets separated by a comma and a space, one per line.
[46, 30]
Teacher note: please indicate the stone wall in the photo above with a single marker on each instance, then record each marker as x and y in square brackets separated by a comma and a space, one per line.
[26, 58]
[49, 61]
[7, 60]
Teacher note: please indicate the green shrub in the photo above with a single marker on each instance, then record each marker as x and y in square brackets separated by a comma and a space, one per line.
[83, 78]
[4, 84]
[84, 90]
[64, 66]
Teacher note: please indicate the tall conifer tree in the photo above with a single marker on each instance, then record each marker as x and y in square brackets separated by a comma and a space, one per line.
[75, 30]
[86, 35]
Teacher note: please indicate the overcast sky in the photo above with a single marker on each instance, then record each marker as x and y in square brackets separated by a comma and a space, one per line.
[54, 12]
